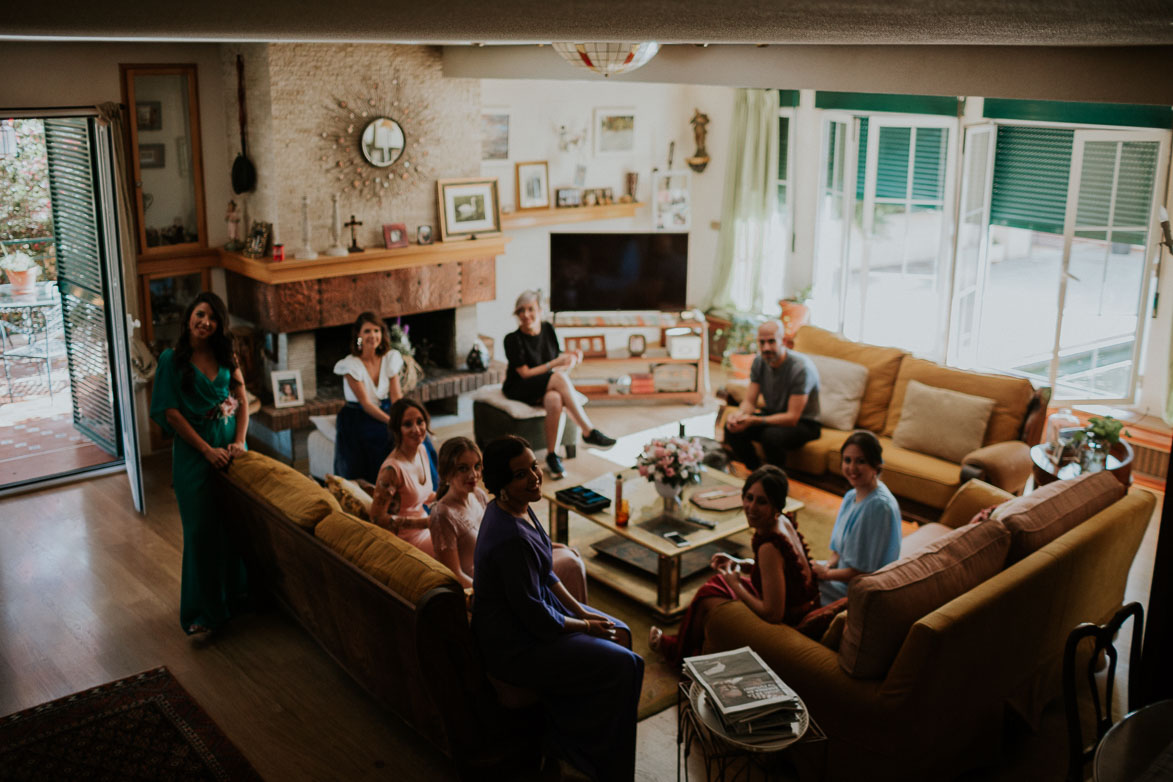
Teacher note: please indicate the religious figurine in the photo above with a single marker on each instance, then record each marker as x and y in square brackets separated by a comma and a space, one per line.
[352, 225]
[232, 218]
[699, 124]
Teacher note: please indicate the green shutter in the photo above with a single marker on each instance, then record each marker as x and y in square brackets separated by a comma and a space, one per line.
[1031, 169]
[783, 147]
[787, 99]
[1131, 115]
[861, 169]
[80, 280]
[928, 167]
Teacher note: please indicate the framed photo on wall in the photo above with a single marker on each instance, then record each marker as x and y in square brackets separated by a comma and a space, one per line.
[671, 200]
[568, 197]
[148, 115]
[287, 388]
[495, 134]
[152, 156]
[469, 208]
[614, 131]
[533, 185]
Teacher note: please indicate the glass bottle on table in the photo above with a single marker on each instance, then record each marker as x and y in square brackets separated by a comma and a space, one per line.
[622, 509]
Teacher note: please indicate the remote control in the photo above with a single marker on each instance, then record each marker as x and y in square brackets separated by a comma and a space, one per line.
[707, 523]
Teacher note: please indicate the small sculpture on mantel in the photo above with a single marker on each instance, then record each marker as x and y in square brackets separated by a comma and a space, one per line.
[336, 249]
[353, 224]
[232, 218]
[306, 251]
[699, 124]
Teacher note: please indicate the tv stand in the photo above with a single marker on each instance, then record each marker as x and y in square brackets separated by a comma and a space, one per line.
[596, 377]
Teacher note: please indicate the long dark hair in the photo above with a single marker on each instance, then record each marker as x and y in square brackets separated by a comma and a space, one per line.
[373, 319]
[398, 411]
[452, 449]
[495, 470]
[221, 342]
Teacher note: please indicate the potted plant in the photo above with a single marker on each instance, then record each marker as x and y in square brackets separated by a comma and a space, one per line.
[1098, 438]
[795, 313]
[21, 270]
[740, 340]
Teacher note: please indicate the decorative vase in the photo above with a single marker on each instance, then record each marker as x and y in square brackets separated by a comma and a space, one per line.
[741, 363]
[1094, 456]
[671, 496]
[23, 282]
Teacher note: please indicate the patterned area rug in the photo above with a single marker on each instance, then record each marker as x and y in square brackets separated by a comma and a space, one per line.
[141, 727]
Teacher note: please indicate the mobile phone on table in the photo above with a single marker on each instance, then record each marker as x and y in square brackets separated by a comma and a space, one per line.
[677, 538]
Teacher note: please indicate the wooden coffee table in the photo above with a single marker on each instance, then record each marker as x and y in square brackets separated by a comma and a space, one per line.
[660, 592]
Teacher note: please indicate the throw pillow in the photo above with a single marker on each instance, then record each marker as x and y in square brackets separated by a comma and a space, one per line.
[834, 635]
[815, 624]
[841, 385]
[1048, 512]
[887, 603]
[327, 425]
[942, 423]
[353, 499]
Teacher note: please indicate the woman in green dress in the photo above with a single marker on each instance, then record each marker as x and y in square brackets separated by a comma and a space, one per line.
[199, 400]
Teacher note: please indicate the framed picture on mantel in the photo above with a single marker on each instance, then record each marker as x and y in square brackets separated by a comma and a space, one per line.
[469, 208]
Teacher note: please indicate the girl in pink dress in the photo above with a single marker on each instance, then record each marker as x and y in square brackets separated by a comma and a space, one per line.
[405, 478]
[455, 520]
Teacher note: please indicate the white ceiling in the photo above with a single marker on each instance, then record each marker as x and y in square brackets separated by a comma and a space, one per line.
[989, 22]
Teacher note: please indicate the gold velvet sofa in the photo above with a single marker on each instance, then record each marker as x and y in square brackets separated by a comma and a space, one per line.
[923, 483]
[394, 618]
[940, 707]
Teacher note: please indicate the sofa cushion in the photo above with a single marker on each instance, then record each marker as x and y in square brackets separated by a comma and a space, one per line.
[1046, 513]
[970, 499]
[940, 422]
[885, 604]
[353, 499]
[1011, 395]
[915, 476]
[385, 557]
[841, 387]
[298, 496]
[816, 455]
[883, 365]
[920, 538]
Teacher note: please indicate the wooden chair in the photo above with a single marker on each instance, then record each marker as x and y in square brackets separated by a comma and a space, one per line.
[1104, 637]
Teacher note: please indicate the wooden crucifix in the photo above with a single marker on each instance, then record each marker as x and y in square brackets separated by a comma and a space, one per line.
[354, 248]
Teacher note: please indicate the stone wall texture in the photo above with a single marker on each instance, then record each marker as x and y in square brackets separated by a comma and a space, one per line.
[306, 82]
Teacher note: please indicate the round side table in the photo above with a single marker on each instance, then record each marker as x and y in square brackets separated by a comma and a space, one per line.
[1119, 464]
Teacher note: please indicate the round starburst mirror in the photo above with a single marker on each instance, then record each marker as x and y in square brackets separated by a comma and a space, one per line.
[382, 142]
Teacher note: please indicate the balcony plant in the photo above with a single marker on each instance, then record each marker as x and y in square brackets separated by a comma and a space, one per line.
[795, 312]
[21, 270]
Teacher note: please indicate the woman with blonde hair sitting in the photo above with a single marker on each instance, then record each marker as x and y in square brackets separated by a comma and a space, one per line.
[538, 374]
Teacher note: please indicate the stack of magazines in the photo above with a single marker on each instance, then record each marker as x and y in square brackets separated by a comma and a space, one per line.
[752, 704]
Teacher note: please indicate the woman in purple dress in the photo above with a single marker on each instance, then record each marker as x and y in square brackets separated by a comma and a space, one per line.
[534, 634]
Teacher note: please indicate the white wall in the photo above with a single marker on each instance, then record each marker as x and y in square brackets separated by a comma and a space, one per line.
[537, 108]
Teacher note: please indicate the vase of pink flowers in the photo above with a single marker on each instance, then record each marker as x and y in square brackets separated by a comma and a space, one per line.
[670, 463]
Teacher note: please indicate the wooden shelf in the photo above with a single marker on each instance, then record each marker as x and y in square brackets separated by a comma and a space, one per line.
[580, 214]
[272, 272]
[688, 397]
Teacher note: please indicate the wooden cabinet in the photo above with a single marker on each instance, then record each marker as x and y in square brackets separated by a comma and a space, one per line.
[166, 160]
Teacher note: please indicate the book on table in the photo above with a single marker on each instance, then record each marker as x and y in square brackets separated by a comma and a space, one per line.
[747, 696]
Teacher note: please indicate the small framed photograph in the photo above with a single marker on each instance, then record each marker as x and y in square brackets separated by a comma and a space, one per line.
[469, 208]
[394, 235]
[495, 134]
[533, 185]
[148, 115]
[614, 131]
[423, 234]
[568, 197]
[589, 198]
[287, 388]
[671, 197]
[636, 345]
[256, 244]
[151, 156]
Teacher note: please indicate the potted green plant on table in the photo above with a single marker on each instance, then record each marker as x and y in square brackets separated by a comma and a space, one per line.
[21, 270]
[1098, 439]
[740, 340]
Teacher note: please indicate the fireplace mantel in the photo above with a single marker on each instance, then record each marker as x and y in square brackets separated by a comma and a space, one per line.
[271, 272]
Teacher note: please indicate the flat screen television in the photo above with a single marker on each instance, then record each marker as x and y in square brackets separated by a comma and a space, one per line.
[629, 271]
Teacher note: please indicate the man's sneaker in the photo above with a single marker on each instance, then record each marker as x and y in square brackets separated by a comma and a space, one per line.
[554, 465]
[598, 438]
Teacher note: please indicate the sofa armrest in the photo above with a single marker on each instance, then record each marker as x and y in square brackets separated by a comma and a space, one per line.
[972, 497]
[1006, 465]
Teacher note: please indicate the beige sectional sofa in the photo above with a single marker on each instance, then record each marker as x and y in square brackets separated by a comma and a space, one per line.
[923, 482]
[936, 647]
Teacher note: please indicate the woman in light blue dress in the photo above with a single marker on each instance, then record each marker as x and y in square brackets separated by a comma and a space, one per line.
[199, 400]
[866, 535]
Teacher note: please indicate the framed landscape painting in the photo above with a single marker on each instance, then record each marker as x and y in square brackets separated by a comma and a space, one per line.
[469, 208]
[614, 131]
[495, 134]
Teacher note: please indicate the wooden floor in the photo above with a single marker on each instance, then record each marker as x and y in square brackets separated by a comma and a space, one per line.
[89, 592]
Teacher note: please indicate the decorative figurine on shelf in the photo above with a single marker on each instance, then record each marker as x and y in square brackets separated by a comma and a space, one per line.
[353, 224]
[478, 357]
[232, 218]
[306, 251]
[699, 124]
[336, 249]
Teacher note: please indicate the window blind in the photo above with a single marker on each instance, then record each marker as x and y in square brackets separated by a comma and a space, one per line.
[1031, 169]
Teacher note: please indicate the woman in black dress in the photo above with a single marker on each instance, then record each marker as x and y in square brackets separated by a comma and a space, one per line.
[538, 375]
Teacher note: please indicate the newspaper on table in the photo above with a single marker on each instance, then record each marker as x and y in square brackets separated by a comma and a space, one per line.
[746, 695]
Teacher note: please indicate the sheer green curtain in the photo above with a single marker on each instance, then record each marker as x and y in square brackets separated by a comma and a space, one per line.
[751, 248]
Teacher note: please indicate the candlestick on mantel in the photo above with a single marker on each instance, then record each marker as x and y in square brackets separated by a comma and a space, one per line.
[337, 250]
[306, 252]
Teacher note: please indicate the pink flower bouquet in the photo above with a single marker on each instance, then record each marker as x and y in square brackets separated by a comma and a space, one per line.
[671, 460]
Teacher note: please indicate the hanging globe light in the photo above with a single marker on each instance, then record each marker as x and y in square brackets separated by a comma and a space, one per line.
[607, 58]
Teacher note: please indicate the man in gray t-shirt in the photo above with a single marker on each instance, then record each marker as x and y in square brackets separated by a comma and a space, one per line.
[789, 384]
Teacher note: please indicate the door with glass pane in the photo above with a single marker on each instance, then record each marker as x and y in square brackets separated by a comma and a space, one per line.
[837, 174]
[1107, 252]
[901, 283]
[970, 270]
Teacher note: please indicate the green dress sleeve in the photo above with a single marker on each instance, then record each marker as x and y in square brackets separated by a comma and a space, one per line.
[166, 393]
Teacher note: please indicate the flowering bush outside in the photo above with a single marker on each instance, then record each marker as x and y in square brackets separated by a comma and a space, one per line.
[26, 213]
[671, 460]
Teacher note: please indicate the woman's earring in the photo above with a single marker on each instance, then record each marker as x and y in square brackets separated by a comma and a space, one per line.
[358, 342]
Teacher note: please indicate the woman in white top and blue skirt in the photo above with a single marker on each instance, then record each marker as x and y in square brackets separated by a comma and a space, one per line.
[371, 385]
